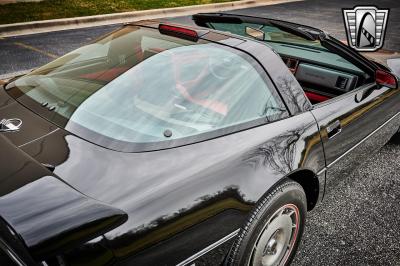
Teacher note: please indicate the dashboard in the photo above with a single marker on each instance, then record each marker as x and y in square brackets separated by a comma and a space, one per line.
[324, 80]
[318, 70]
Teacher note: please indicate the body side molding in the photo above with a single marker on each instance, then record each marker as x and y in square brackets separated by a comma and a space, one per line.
[209, 248]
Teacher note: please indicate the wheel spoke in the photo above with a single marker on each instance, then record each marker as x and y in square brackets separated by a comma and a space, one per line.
[291, 212]
[277, 237]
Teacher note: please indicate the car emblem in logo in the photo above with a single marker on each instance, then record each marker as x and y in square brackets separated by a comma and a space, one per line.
[365, 27]
[13, 124]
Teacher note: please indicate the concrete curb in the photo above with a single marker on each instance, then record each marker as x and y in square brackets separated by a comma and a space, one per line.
[16, 29]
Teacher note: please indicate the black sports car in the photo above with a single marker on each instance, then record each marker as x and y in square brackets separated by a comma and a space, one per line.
[163, 144]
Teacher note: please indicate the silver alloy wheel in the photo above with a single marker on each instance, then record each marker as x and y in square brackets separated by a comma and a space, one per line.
[276, 240]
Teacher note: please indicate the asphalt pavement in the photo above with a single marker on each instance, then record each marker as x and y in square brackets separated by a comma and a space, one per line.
[358, 222]
[30, 51]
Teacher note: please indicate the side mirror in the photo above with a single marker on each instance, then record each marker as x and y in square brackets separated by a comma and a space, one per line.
[386, 79]
[382, 78]
[255, 33]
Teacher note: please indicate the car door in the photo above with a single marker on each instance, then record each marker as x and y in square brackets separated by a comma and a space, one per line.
[352, 125]
[352, 130]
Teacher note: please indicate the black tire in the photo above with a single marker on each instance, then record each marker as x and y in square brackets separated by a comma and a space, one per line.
[274, 210]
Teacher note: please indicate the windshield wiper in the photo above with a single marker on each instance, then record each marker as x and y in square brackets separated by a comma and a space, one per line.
[293, 30]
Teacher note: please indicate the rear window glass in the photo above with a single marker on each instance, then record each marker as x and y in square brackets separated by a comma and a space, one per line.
[140, 86]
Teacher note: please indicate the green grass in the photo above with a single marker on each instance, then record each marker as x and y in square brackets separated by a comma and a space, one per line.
[52, 9]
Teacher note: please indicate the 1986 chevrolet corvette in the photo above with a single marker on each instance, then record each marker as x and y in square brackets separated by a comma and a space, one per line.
[164, 144]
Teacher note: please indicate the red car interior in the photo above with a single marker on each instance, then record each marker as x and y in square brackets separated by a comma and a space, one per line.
[315, 97]
[184, 86]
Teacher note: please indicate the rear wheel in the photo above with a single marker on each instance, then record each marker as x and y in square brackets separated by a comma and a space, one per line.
[272, 233]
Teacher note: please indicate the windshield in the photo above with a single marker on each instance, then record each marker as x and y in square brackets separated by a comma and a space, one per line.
[288, 44]
[272, 34]
[140, 86]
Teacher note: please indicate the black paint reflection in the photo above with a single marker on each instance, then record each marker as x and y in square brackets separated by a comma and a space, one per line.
[278, 153]
[293, 93]
[196, 193]
[168, 226]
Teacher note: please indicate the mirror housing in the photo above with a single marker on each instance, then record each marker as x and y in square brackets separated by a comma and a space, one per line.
[255, 33]
[386, 79]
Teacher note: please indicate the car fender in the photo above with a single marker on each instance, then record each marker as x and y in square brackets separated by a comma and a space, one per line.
[44, 212]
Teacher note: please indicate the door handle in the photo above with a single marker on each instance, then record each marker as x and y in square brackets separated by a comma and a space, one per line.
[334, 129]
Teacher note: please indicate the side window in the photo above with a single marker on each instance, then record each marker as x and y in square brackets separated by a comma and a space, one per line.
[323, 74]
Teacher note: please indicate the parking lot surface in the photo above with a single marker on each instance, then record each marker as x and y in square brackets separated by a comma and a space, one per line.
[358, 222]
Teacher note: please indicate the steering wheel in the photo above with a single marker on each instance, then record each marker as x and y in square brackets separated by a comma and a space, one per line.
[222, 69]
